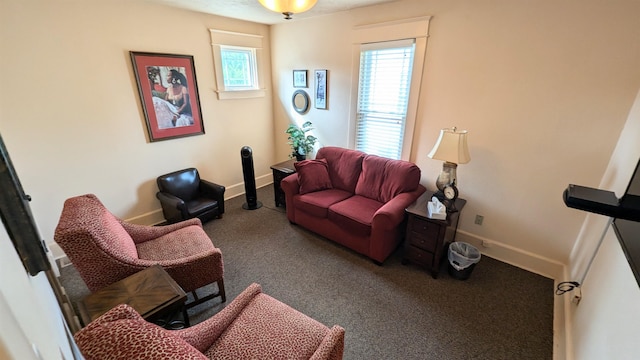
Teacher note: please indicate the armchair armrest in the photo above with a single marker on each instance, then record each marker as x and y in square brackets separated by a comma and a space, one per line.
[172, 203]
[214, 191]
[203, 335]
[332, 345]
[142, 233]
[188, 272]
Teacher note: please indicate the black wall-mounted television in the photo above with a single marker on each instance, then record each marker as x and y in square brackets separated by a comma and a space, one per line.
[625, 211]
[627, 230]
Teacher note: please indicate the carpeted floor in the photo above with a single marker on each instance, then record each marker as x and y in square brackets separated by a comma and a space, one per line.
[389, 312]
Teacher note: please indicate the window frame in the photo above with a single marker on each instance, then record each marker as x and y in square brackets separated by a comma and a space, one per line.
[416, 29]
[226, 39]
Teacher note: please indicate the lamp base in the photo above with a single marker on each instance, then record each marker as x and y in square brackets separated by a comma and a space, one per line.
[447, 176]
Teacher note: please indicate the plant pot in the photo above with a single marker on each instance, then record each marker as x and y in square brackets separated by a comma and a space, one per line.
[301, 157]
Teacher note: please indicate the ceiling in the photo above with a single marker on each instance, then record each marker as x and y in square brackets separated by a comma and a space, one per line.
[251, 10]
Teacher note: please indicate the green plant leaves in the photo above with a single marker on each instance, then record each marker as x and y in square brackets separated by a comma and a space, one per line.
[301, 143]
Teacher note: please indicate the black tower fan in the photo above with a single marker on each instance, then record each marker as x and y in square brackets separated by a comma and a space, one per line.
[249, 179]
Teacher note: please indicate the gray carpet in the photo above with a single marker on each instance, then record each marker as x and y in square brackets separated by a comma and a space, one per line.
[389, 312]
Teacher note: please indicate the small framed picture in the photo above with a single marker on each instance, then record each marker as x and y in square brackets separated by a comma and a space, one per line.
[300, 78]
[321, 90]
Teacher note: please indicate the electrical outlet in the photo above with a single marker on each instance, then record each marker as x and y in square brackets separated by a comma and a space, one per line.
[487, 243]
[479, 219]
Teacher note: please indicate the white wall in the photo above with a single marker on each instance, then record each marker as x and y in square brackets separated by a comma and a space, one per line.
[606, 322]
[543, 88]
[32, 323]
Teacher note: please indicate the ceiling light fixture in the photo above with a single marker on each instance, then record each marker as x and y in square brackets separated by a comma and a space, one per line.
[288, 7]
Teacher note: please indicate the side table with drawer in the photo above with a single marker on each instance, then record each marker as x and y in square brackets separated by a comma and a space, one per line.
[427, 239]
[281, 171]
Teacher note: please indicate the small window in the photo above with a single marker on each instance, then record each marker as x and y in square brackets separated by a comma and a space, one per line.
[239, 70]
[237, 64]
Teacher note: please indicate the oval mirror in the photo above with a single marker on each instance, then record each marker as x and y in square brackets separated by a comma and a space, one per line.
[300, 101]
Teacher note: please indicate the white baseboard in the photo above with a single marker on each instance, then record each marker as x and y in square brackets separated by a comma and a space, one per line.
[511, 255]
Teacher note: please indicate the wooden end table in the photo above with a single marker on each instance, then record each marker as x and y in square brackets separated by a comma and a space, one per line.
[151, 292]
[281, 171]
[427, 239]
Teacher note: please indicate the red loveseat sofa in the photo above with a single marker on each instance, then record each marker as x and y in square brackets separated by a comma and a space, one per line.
[354, 199]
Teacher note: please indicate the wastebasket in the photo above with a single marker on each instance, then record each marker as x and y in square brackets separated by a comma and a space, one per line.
[463, 258]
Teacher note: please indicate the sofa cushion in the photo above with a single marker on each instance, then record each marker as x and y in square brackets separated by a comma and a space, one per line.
[121, 333]
[317, 203]
[269, 329]
[382, 178]
[179, 244]
[313, 175]
[344, 166]
[355, 214]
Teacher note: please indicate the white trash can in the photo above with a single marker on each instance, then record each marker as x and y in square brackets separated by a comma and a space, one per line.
[463, 258]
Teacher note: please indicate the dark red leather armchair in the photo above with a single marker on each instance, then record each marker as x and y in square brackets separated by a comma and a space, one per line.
[183, 195]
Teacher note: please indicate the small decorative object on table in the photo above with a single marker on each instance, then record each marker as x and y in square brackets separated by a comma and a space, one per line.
[450, 195]
[301, 143]
[436, 209]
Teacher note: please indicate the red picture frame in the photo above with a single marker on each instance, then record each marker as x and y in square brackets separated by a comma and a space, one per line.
[169, 94]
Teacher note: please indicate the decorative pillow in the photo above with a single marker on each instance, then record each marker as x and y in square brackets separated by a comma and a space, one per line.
[313, 175]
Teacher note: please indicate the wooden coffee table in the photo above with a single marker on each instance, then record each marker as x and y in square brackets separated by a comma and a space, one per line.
[151, 292]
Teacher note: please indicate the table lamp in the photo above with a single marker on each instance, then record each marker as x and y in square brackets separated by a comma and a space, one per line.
[451, 148]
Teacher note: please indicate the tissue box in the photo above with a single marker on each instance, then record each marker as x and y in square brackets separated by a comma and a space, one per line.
[436, 211]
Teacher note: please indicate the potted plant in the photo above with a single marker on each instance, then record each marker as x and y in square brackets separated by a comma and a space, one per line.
[301, 143]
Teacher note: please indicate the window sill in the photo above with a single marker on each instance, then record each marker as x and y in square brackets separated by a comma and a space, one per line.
[243, 94]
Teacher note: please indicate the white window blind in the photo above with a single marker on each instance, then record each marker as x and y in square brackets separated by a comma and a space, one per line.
[383, 96]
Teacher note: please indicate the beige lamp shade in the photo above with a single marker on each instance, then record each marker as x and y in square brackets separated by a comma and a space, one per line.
[288, 7]
[451, 147]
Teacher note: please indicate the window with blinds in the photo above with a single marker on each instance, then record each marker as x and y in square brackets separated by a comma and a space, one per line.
[383, 96]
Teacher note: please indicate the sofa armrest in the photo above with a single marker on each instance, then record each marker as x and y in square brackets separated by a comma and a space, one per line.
[203, 335]
[290, 187]
[391, 214]
[332, 345]
[142, 233]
